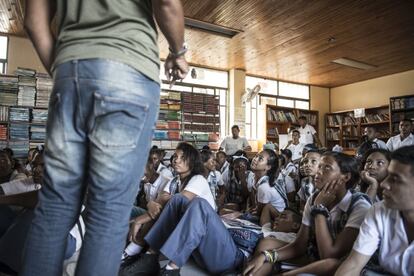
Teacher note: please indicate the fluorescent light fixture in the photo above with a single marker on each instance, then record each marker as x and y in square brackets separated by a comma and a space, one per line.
[210, 28]
[353, 63]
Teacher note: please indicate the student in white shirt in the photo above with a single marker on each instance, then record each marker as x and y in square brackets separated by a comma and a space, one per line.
[265, 166]
[389, 225]
[287, 175]
[156, 155]
[405, 138]
[189, 182]
[232, 144]
[310, 164]
[330, 222]
[295, 146]
[375, 169]
[213, 176]
[222, 163]
[308, 134]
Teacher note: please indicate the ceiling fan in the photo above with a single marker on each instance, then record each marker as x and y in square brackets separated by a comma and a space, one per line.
[250, 94]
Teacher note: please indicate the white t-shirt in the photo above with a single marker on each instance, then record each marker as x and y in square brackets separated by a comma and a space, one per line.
[296, 150]
[287, 181]
[267, 194]
[20, 186]
[224, 169]
[164, 171]
[231, 145]
[355, 219]
[197, 185]
[214, 180]
[383, 229]
[153, 189]
[395, 142]
[381, 144]
[306, 134]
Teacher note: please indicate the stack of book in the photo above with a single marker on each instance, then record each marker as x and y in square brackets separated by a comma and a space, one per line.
[3, 132]
[39, 116]
[8, 90]
[20, 148]
[38, 132]
[27, 86]
[19, 114]
[4, 113]
[19, 132]
[280, 116]
[44, 87]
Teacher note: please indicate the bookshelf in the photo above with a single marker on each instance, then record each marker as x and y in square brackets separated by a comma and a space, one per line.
[401, 107]
[344, 129]
[280, 120]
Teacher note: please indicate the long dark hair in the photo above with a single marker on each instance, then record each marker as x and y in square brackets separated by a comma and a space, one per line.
[206, 155]
[384, 152]
[193, 158]
[347, 164]
[273, 161]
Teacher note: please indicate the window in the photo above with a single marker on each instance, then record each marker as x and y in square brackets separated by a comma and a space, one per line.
[4, 42]
[271, 92]
[205, 81]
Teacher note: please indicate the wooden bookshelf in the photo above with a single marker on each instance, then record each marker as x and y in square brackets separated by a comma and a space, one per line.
[344, 129]
[280, 120]
[401, 107]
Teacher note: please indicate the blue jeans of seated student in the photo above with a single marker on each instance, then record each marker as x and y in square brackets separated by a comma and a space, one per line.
[187, 228]
[12, 242]
[101, 120]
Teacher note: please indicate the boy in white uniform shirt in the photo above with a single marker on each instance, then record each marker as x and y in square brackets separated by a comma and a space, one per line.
[295, 146]
[405, 138]
[308, 133]
[389, 225]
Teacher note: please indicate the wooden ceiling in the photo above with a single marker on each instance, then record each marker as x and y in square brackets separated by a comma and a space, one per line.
[291, 40]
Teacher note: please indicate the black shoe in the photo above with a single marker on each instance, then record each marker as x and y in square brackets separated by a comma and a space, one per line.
[165, 272]
[129, 260]
[145, 265]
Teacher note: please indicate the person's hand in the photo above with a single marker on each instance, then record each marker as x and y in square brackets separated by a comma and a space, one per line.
[154, 209]
[371, 181]
[176, 68]
[133, 231]
[328, 193]
[254, 265]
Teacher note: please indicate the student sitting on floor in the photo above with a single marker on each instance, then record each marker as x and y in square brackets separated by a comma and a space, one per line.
[330, 222]
[190, 182]
[266, 190]
[154, 184]
[13, 239]
[222, 163]
[7, 171]
[236, 184]
[309, 164]
[375, 170]
[213, 176]
[157, 155]
[389, 225]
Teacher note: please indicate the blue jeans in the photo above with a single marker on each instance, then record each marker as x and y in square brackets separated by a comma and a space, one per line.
[187, 228]
[101, 119]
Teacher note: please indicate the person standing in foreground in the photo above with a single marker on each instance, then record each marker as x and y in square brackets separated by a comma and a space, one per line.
[231, 144]
[102, 111]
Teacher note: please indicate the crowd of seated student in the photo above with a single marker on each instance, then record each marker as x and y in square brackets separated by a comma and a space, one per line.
[309, 211]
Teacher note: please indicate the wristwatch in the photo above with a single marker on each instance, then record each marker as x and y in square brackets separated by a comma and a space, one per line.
[319, 209]
[181, 52]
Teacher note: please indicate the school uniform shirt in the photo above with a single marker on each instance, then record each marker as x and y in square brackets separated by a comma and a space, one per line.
[296, 150]
[381, 144]
[383, 229]
[197, 185]
[267, 194]
[214, 180]
[306, 188]
[163, 170]
[395, 142]
[78, 231]
[287, 182]
[153, 189]
[231, 145]
[306, 134]
[19, 186]
[234, 188]
[354, 220]
[224, 168]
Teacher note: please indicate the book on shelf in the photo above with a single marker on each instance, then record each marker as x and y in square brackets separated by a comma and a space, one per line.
[311, 119]
[334, 120]
[402, 103]
[273, 132]
[376, 118]
[281, 116]
[349, 119]
[332, 134]
[3, 132]
[4, 113]
[350, 131]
